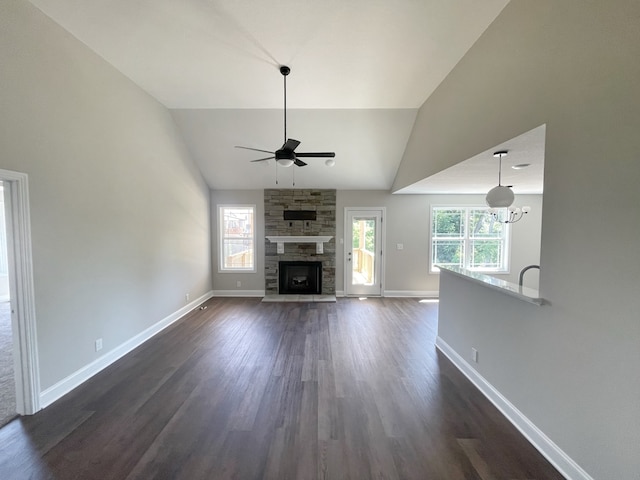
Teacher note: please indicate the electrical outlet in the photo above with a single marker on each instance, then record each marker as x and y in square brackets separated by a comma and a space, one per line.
[399, 246]
[238, 283]
[186, 297]
[98, 345]
[474, 355]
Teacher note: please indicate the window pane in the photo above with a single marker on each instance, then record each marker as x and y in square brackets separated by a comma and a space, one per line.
[238, 222]
[364, 232]
[468, 237]
[482, 224]
[237, 242]
[448, 222]
[448, 252]
[238, 253]
[486, 254]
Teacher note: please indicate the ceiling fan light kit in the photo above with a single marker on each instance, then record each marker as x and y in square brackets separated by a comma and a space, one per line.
[287, 156]
[500, 198]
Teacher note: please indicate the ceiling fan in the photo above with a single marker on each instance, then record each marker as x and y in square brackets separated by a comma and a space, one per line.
[286, 155]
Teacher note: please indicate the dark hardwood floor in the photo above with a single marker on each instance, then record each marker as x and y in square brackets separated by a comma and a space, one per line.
[250, 390]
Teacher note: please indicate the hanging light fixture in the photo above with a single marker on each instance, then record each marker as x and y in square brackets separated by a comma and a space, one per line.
[500, 198]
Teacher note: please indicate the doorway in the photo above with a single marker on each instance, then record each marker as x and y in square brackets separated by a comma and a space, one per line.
[8, 408]
[21, 305]
[363, 251]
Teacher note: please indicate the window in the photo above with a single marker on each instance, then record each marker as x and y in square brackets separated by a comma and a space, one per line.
[468, 237]
[236, 234]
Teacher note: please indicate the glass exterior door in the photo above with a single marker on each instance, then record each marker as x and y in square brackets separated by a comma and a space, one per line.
[363, 249]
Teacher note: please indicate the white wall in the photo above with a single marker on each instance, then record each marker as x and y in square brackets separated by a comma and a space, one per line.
[407, 222]
[119, 212]
[570, 366]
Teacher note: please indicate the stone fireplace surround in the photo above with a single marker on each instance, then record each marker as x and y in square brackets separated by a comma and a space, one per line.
[323, 202]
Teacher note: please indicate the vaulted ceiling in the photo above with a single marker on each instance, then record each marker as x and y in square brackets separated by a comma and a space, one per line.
[360, 69]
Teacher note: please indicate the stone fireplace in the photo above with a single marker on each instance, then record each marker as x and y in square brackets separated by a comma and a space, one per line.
[322, 223]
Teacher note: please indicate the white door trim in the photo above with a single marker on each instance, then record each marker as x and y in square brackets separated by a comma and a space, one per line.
[383, 235]
[23, 317]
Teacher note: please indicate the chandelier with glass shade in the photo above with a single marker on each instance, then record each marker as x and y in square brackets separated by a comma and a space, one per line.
[500, 198]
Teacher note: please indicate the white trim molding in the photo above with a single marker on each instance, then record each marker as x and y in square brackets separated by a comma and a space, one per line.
[77, 378]
[221, 238]
[411, 293]
[381, 247]
[238, 293]
[552, 452]
[23, 304]
[282, 239]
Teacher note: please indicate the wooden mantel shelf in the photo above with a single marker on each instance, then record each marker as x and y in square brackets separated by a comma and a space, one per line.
[281, 240]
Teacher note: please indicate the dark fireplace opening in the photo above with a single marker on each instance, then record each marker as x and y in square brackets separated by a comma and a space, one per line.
[303, 278]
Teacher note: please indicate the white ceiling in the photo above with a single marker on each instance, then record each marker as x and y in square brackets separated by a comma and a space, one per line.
[368, 144]
[360, 69]
[480, 173]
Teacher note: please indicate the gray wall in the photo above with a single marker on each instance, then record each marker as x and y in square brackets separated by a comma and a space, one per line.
[570, 366]
[407, 223]
[119, 212]
[251, 283]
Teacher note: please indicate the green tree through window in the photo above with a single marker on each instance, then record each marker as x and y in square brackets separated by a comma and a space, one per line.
[468, 237]
[369, 234]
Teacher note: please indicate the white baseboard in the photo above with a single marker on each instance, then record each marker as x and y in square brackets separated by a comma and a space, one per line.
[412, 293]
[556, 456]
[64, 386]
[402, 293]
[238, 293]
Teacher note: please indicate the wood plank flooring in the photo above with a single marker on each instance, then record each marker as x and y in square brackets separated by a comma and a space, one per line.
[251, 390]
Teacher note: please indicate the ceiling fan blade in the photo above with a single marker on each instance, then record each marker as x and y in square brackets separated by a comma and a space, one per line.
[254, 149]
[286, 154]
[317, 154]
[290, 144]
[262, 159]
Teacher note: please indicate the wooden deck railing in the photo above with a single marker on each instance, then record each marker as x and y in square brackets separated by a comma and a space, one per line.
[363, 262]
[241, 259]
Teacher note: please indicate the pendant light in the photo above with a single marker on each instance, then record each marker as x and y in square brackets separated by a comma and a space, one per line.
[500, 198]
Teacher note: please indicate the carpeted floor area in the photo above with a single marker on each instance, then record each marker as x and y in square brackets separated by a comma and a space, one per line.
[7, 381]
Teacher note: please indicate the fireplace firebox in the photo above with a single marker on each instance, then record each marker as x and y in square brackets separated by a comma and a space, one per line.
[303, 278]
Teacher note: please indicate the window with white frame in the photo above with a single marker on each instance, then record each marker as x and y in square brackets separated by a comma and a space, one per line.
[468, 237]
[236, 238]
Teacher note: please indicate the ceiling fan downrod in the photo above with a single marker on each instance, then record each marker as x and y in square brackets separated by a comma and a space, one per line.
[284, 70]
[286, 155]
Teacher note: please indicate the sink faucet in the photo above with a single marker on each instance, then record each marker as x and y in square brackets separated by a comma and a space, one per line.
[528, 267]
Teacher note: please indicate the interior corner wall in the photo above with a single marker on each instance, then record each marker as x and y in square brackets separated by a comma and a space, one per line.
[407, 222]
[226, 283]
[119, 211]
[569, 366]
